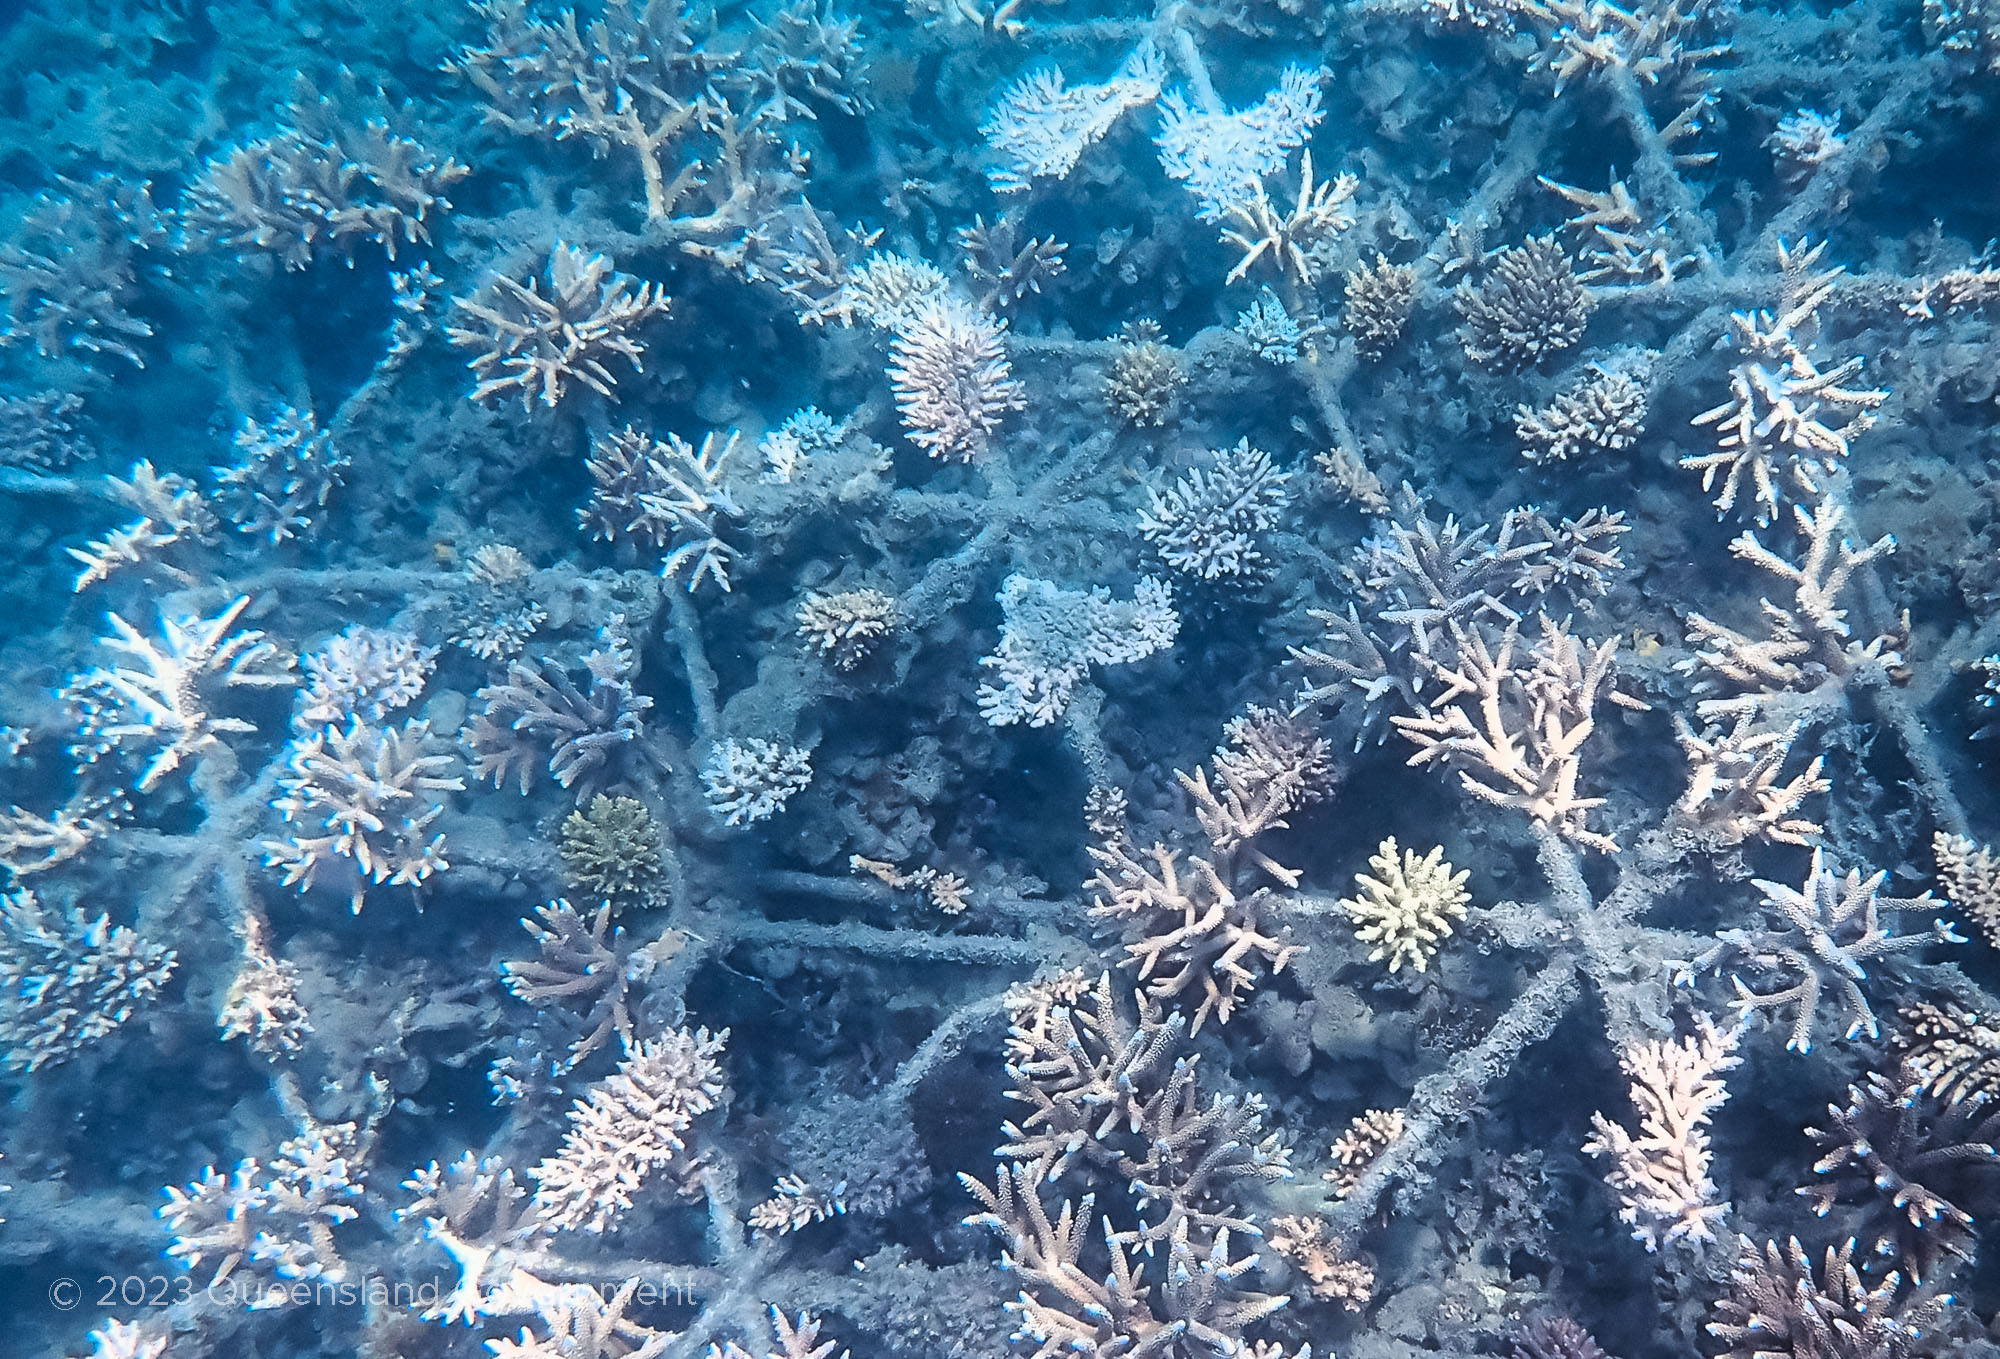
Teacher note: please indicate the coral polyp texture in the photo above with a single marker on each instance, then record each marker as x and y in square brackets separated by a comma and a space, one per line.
[947, 679]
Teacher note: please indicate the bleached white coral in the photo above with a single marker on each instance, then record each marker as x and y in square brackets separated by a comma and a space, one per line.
[288, 468]
[1787, 420]
[366, 795]
[627, 1127]
[539, 343]
[1270, 329]
[952, 379]
[172, 513]
[1051, 637]
[364, 673]
[1404, 912]
[262, 1231]
[263, 1002]
[1040, 128]
[127, 1340]
[167, 698]
[1805, 140]
[1661, 1176]
[887, 291]
[750, 780]
[1211, 523]
[67, 982]
[799, 1341]
[1223, 156]
[789, 449]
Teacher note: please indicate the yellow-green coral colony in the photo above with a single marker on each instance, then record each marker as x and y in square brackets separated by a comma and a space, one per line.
[611, 850]
[1405, 911]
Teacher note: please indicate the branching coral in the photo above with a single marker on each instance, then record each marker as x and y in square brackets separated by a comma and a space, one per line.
[1618, 244]
[539, 712]
[1734, 791]
[540, 343]
[1774, 428]
[1039, 128]
[1405, 912]
[1921, 1169]
[789, 450]
[1524, 746]
[846, 626]
[1605, 412]
[1222, 155]
[800, 1341]
[1662, 1176]
[1007, 268]
[1109, 1096]
[1378, 302]
[1949, 1052]
[366, 795]
[1368, 1136]
[1804, 644]
[264, 1231]
[1820, 935]
[1298, 241]
[365, 674]
[1051, 637]
[670, 495]
[579, 961]
[1270, 331]
[1655, 39]
[173, 513]
[167, 698]
[1199, 932]
[630, 1126]
[68, 982]
[288, 468]
[71, 271]
[1210, 523]
[1783, 1307]
[263, 1005]
[1427, 586]
[952, 379]
[1530, 306]
[326, 180]
[647, 79]
[1970, 876]
[752, 780]
[1315, 1253]
[1143, 378]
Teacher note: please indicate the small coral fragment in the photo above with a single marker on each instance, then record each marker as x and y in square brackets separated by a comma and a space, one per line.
[610, 848]
[751, 780]
[1529, 307]
[539, 343]
[67, 982]
[847, 626]
[952, 379]
[1379, 300]
[1405, 912]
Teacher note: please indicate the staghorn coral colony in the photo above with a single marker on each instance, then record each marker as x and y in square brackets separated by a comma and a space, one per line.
[945, 679]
